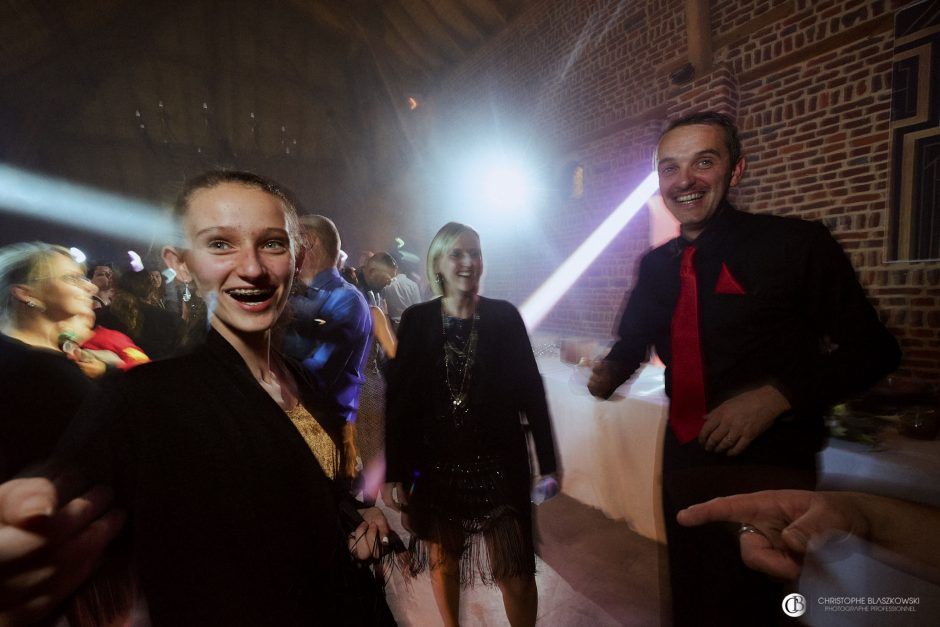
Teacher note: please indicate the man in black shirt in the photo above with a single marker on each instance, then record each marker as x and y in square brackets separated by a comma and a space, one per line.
[783, 330]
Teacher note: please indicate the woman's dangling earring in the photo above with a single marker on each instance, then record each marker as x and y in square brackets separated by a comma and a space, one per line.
[187, 295]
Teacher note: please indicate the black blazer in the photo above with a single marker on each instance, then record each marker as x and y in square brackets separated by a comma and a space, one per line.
[40, 391]
[506, 385]
[231, 519]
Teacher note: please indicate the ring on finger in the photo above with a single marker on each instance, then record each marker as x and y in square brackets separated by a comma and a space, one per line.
[749, 528]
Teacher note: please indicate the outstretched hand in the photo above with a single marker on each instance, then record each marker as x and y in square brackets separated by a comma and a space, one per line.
[47, 551]
[788, 520]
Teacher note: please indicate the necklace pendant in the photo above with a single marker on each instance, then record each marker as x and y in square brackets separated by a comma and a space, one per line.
[457, 402]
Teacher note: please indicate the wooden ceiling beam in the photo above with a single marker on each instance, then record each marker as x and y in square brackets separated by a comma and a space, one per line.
[699, 33]
[397, 19]
[326, 16]
[451, 14]
[392, 41]
[67, 69]
[489, 11]
[124, 29]
[438, 31]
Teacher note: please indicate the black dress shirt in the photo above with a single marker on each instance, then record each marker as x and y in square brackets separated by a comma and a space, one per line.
[802, 322]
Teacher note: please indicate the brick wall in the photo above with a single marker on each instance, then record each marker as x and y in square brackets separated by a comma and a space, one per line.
[809, 82]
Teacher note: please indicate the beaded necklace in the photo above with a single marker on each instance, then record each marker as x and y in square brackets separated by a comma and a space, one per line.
[458, 363]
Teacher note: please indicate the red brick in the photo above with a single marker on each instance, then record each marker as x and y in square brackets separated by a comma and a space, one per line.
[816, 133]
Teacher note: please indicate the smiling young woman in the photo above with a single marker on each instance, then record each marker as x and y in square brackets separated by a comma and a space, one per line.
[463, 375]
[227, 461]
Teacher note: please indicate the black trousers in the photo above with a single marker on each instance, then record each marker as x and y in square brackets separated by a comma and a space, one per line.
[710, 584]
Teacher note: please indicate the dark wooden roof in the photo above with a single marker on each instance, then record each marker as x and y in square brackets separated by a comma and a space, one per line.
[133, 95]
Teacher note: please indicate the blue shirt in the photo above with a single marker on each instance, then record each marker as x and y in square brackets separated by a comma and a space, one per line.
[330, 332]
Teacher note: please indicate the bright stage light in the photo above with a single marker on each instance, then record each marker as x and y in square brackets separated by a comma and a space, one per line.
[537, 306]
[136, 262]
[77, 255]
[496, 186]
[506, 185]
[55, 200]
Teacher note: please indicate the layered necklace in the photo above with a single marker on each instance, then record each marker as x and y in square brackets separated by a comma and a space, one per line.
[458, 364]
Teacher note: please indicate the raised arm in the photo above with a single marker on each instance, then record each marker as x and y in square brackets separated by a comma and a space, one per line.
[382, 331]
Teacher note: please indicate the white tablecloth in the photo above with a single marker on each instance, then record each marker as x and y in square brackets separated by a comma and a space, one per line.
[611, 451]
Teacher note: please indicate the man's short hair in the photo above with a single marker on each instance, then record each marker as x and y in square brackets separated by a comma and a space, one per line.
[713, 118]
[325, 232]
[94, 265]
[383, 259]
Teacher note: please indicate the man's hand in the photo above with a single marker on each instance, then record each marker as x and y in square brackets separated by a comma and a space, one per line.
[732, 426]
[606, 376]
[45, 553]
[786, 520]
[367, 540]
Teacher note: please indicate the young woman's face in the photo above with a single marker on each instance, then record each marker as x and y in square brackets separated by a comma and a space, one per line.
[238, 256]
[64, 291]
[461, 266]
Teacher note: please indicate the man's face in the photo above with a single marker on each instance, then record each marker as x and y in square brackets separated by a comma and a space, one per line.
[377, 275]
[101, 277]
[695, 172]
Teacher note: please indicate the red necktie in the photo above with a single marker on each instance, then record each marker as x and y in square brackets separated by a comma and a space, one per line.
[687, 405]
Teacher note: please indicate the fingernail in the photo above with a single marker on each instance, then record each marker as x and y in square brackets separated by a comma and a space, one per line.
[37, 506]
[384, 539]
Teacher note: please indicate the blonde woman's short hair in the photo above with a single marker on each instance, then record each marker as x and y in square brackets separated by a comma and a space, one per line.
[443, 242]
[24, 263]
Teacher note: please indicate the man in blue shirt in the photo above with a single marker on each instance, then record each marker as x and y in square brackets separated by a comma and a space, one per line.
[331, 326]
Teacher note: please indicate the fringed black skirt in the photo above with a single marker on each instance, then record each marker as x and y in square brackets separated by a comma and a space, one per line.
[478, 511]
